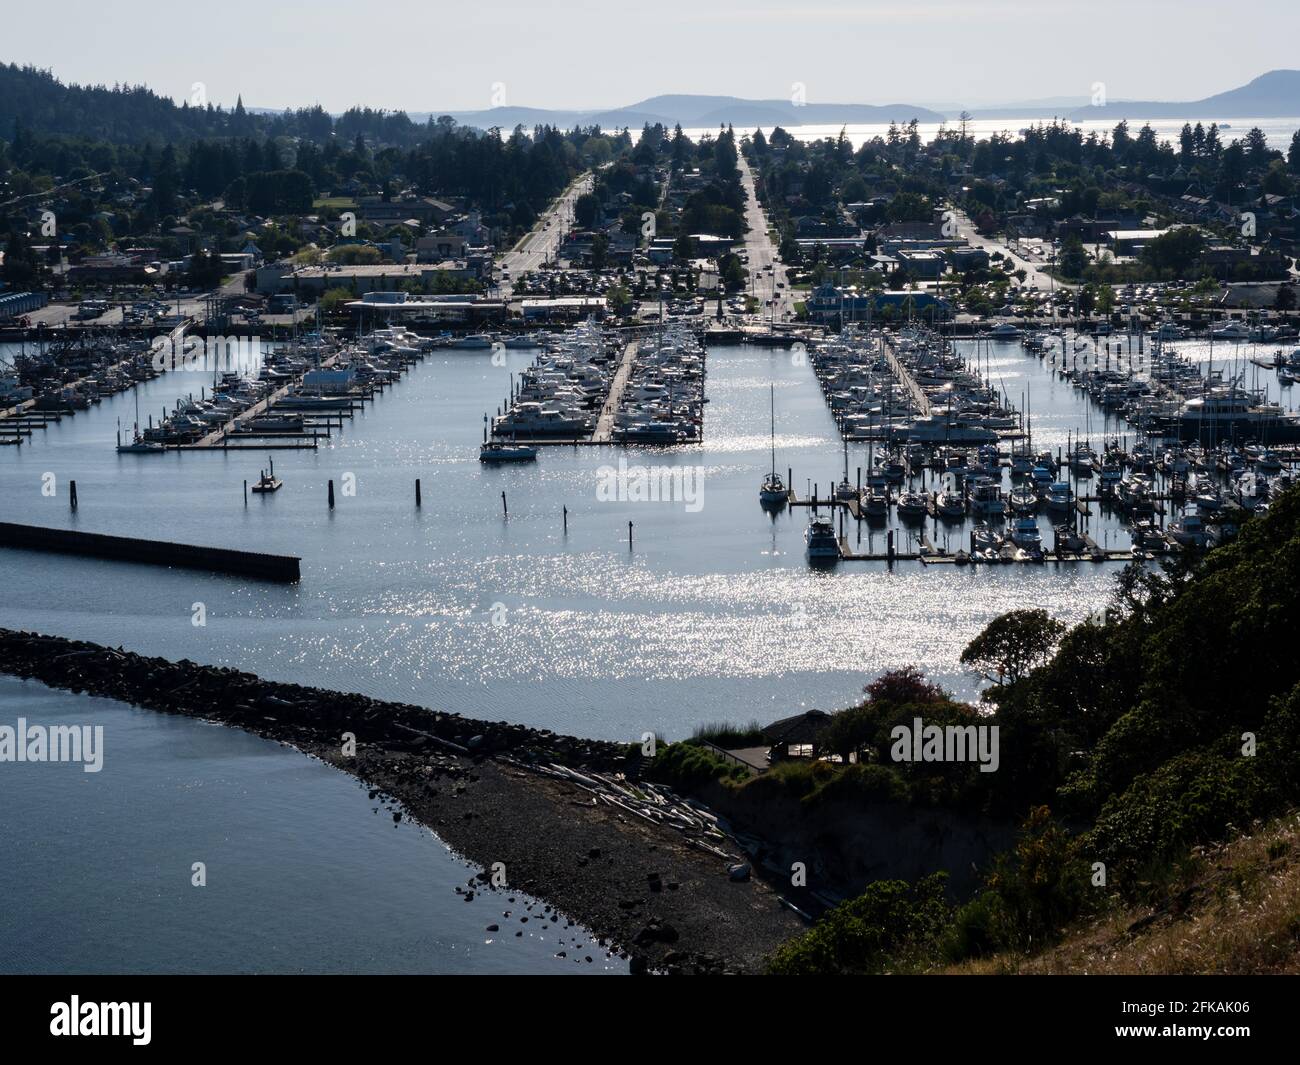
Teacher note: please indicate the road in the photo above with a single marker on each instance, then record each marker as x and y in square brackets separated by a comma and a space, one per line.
[1035, 275]
[762, 254]
[541, 243]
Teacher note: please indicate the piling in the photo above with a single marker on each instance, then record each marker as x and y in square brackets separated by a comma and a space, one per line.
[72, 494]
[417, 492]
[566, 520]
[629, 536]
[505, 510]
[331, 493]
[245, 491]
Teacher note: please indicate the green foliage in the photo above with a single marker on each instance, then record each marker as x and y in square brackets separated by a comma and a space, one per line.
[890, 920]
[725, 734]
[1030, 895]
[686, 766]
[1013, 645]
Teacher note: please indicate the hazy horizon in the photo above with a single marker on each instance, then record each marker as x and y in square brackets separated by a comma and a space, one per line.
[581, 55]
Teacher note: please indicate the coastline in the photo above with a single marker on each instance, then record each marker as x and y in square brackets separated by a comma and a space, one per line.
[485, 788]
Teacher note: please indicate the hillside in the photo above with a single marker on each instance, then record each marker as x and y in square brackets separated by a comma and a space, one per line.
[1131, 748]
[703, 112]
[1235, 910]
[1272, 95]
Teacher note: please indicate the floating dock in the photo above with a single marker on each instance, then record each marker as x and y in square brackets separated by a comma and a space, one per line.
[283, 568]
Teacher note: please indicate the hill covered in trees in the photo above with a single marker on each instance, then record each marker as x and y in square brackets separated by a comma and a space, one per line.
[35, 99]
[1128, 744]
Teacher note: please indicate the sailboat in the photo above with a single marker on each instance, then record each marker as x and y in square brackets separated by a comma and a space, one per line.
[772, 492]
[138, 445]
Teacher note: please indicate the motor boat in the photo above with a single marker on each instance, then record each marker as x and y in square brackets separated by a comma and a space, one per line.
[820, 542]
[502, 451]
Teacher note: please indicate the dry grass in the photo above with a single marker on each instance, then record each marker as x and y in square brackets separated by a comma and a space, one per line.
[1236, 912]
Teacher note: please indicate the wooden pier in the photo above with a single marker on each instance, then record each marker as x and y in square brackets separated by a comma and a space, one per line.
[904, 376]
[604, 433]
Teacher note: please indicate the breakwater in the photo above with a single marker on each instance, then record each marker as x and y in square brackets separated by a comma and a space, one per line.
[524, 803]
[283, 568]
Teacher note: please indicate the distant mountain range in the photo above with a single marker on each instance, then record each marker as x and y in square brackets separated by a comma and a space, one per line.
[696, 112]
[1272, 95]
[36, 100]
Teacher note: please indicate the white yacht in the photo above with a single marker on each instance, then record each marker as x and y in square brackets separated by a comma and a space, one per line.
[820, 541]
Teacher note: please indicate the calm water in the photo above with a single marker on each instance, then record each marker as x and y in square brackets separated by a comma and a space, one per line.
[712, 614]
[302, 874]
[1278, 130]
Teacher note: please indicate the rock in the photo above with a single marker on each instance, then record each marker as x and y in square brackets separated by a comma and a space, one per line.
[739, 871]
[493, 928]
[637, 965]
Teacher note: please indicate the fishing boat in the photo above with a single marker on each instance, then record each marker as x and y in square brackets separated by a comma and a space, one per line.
[820, 542]
[773, 492]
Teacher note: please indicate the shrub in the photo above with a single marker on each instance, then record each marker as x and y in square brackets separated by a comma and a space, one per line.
[686, 766]
[888, 923]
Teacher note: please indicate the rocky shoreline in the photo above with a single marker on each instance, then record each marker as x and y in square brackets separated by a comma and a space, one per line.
[568, 819]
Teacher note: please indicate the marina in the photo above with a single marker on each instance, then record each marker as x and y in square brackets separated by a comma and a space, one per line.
[383, 580]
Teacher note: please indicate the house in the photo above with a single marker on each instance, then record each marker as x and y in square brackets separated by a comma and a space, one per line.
[799, 736]
[831, 305]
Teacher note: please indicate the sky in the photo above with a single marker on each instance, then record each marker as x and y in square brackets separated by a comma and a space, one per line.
[425, 55]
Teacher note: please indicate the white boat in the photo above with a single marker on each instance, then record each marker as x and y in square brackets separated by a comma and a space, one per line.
[950, 505]
[476, 341]
[1060, 497]
[986, 499]
[1024, 533]
[501, 451]
[1231, 331]
[1189, 530]
[772, 492]
[913, 505]
[820, 541]
[1023, 500]
[1004, 331]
